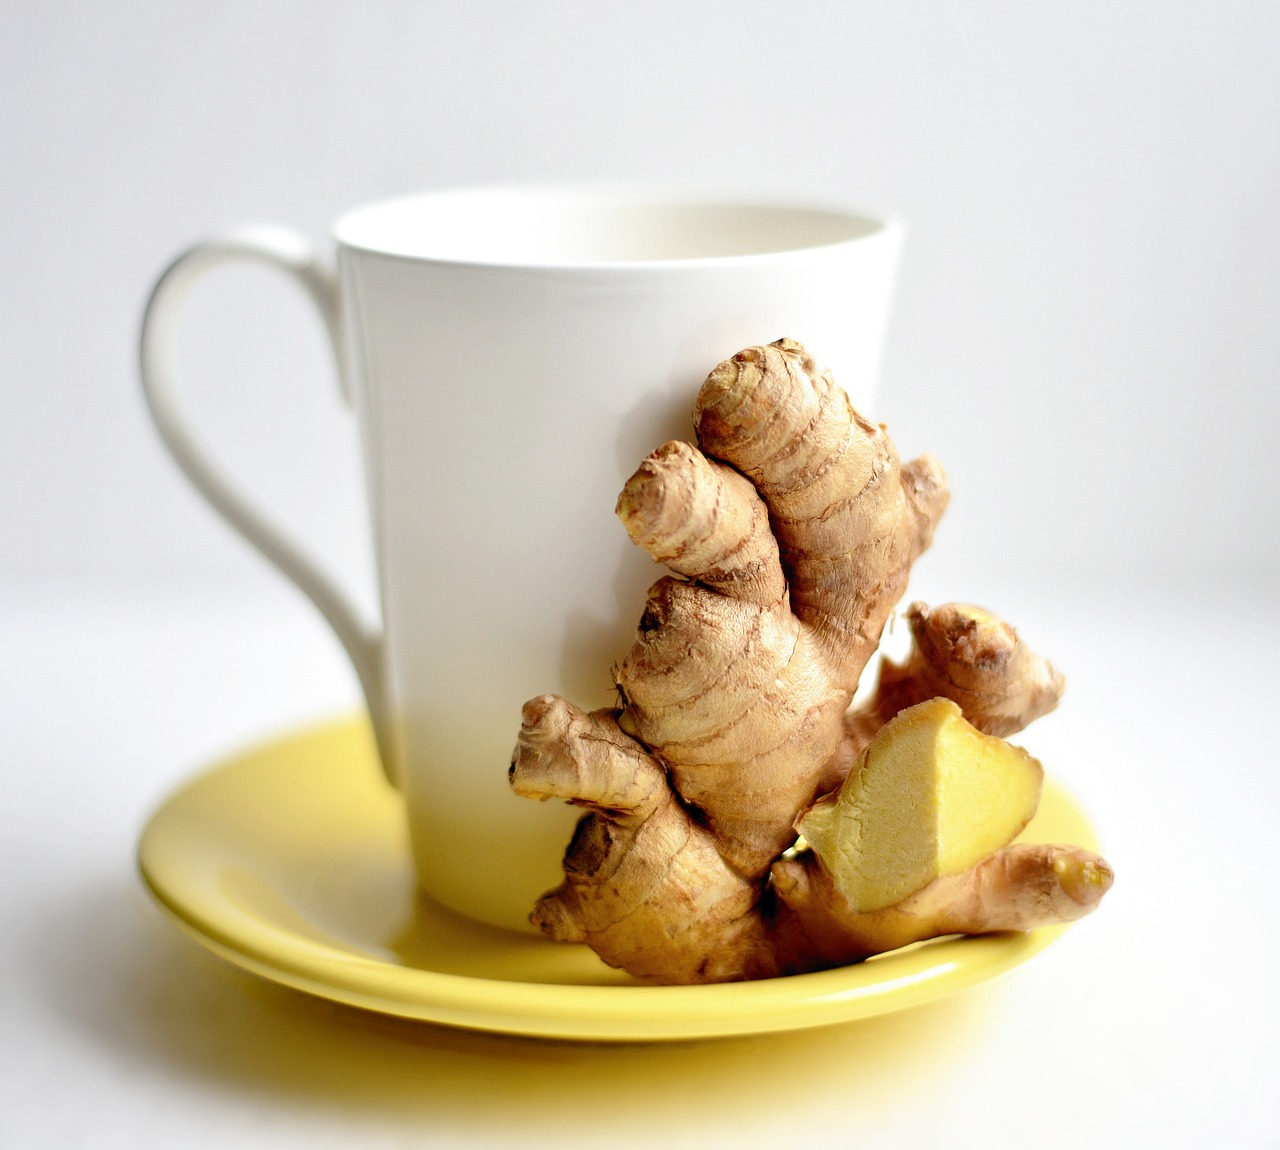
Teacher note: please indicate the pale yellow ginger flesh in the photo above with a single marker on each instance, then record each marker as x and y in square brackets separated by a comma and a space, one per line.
[931, 796]
[790, 530]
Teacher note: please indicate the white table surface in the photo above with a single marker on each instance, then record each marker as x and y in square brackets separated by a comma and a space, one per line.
[1153, 1023]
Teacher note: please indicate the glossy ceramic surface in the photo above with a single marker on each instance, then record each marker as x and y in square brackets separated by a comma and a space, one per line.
[292, 861]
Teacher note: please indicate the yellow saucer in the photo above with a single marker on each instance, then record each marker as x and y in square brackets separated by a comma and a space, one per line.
[291, 860]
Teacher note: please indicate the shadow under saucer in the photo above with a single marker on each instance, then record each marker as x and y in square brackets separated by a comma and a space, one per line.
[160, 1007]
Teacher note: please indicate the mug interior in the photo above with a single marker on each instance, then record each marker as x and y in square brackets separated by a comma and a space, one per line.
[557, 228]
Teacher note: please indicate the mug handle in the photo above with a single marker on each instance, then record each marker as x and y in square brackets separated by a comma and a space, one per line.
[292, 254]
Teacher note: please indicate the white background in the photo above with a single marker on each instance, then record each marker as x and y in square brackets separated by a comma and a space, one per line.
[1086, 334]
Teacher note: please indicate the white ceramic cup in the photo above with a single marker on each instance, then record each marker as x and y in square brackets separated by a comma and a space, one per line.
[512, 355]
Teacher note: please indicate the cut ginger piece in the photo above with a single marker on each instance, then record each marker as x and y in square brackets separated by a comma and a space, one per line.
[932, 796]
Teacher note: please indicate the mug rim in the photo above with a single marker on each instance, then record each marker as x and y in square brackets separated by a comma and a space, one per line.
[356, 229]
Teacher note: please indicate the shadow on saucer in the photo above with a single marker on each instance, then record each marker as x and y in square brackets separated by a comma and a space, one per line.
[115, 970]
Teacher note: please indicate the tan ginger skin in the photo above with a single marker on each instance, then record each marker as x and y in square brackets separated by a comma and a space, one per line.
[791, 530]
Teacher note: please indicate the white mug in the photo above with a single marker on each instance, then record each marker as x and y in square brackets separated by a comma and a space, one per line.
[512, 356]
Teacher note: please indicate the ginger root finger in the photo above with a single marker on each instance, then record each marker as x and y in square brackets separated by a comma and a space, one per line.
[962, 653]
[974, 658]
[977, 660]
[704, 521]
[586, 759]
[644, 886]
[849, 520]
[738, 706]
[1022, 887]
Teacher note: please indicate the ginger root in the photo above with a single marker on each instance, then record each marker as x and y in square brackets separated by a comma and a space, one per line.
[791, 530]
